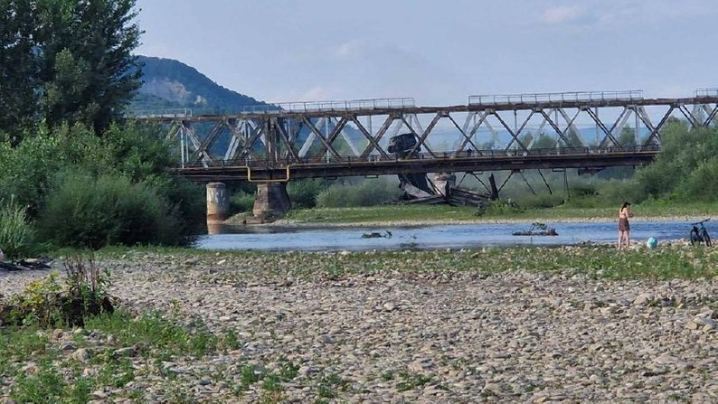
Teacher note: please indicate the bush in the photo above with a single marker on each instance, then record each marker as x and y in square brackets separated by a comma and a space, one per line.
[541, 201]
[499, 208]
[702, 184]
[48, 303]
[86, 212]
[240, 202]
[367, 193]
[16, 233]
[304, 193]
[188, 201]
[683, 169]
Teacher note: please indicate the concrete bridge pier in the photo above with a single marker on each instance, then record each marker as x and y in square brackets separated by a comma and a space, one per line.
[217, 206]
[272, 200]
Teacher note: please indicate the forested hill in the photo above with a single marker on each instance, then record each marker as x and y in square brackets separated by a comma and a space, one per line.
[170, 84]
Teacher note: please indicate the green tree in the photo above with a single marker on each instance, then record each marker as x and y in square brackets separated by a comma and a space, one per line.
[18, 65]
[627, 138]
[69, 60]
[86, 64]
[684, 168]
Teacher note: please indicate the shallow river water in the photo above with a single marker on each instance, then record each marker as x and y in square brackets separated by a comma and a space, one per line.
[430, 237]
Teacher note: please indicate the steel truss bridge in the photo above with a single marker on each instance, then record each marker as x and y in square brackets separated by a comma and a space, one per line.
[281, 142]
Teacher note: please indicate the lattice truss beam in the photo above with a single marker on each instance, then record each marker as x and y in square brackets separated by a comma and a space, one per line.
[349, 136]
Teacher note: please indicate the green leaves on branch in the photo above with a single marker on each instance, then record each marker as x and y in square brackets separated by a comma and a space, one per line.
[66, 61]
[687, 167]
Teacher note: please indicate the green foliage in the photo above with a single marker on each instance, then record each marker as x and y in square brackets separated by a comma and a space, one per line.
[541, 201]
[139, 152]
[538, 141]
[46, 386]
[136, 154]
[27, 170]
[241, 202]
[627, 138]
[88, 212]
[87, 66]
[16, 234]
[685, 169]
[367, 193]
[17, 67]
[72, 58]
[499, 208]
[155, 332]
[47, 303]
[303, 193]
[615, 192]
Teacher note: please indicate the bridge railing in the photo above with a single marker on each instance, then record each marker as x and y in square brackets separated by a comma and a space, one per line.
[161, 113]
[706, 93]
[540, 98]
[330, 106]
[256, 163]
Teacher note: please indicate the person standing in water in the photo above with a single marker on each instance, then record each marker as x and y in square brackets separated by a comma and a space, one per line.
[624, 228]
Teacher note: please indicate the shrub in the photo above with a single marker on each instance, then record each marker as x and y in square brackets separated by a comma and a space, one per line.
[16, 233]
[702, 184]
[499, 208]
[367, 193]
[241, 202]
[616, 192]
[187, 200]
[541, 201]
[304, 193]
[48, 303]
[86, 212]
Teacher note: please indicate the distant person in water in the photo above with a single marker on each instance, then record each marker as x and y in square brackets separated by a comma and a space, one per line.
[624, 228]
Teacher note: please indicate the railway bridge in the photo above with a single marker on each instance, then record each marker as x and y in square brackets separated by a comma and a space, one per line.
[275, 143]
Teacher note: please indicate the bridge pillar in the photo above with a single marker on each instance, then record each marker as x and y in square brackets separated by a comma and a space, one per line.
[217, 204]
[271, 200]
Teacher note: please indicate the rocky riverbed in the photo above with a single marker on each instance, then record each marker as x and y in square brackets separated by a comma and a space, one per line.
[382, 334]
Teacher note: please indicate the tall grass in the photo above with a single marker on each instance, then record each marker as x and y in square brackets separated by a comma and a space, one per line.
[16, 233]
[366, 193]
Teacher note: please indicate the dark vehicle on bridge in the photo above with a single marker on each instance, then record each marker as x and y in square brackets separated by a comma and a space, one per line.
[402, 143]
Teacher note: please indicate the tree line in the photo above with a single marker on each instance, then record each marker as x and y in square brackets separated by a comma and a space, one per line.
[73, 173]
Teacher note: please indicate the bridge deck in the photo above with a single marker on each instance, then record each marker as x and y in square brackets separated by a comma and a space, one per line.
[266, 171]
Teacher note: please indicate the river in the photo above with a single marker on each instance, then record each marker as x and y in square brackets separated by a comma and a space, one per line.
[261, 238]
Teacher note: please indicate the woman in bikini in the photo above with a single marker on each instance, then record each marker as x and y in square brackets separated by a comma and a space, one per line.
[624, 229]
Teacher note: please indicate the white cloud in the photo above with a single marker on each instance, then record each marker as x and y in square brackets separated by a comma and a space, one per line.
[561, 15]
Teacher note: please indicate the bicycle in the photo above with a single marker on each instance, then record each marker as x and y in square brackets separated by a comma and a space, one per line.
[700, 234]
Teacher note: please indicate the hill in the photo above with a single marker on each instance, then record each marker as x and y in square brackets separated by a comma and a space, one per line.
[169, 84]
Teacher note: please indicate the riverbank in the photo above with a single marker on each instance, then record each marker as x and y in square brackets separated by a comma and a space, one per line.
[579, 324]
[414, 215]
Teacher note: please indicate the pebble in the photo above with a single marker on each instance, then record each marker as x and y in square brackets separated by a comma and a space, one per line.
[397, 336]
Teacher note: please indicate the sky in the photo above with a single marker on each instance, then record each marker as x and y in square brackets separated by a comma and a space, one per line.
[438, 52]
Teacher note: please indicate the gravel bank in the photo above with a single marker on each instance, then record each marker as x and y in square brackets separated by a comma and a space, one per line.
[425, 337]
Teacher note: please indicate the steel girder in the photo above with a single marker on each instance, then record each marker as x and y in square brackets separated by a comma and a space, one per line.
[275, 139]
